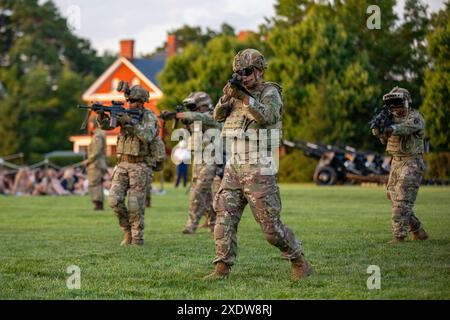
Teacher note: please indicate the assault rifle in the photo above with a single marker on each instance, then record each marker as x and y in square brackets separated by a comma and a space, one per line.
[237, 82]
[169, 115]
[114, 111]
[382, 120]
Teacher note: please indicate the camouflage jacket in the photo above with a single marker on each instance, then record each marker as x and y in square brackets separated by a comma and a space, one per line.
[263, 112]
[206, 119]
[407, 137]
[134, 140]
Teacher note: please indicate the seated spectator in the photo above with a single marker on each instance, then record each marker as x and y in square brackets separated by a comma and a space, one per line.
[54, 185]
[81, 187]
[69, 180]
[5, 183]
[22, 183]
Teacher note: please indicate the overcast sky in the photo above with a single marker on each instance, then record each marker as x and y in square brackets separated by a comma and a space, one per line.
[104, 22]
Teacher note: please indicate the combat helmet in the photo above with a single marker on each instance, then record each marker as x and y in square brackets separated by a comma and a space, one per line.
[397, 96]
[197, 99]
[137, 92]
[249, 58]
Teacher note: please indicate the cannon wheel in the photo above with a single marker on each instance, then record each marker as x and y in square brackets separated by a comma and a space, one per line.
[325, 176]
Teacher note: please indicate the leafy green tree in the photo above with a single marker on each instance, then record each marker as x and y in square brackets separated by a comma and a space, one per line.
[436, 105]
[326, 85]
[200, 68]
[44, 70]
[188, 35]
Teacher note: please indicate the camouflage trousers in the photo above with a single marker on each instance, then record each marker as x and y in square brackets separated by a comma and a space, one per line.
[95, 187]
[200, 198]
[242, 184]
[403, 185]
[130, 179]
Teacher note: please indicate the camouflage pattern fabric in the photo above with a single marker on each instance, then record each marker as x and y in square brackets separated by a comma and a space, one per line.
[211, 214]
[249, 58]
[407, 138]
[130, 179]
[200, 199]
[244, 184]
[96, 165]
[403, 186]
[407, 167]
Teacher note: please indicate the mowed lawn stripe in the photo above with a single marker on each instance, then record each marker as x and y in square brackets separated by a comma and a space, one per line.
[343, 231]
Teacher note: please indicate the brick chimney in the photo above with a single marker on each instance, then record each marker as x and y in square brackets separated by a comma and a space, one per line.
[127, 49]
[172, 45]
[245, 35]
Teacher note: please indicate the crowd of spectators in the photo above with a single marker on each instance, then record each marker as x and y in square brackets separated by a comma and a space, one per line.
[47, 181]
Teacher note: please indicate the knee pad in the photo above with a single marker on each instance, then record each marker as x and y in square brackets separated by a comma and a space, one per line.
[133, 203]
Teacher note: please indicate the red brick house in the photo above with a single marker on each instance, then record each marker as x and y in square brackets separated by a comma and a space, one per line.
[133, 70]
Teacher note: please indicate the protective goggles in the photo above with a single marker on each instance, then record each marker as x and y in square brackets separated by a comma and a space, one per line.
[394, 103]
[190, 106]
[246, 71]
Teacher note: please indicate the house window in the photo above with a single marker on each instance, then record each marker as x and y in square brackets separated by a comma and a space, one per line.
[114, 84]
[135, 81]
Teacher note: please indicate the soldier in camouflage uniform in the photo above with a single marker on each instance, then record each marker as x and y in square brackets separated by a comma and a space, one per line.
[131, 173]
[404, 141]
[245, 182]
[200, 200]
[96, 165]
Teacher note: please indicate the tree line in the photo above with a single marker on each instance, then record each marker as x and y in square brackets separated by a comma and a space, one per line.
[333, 69]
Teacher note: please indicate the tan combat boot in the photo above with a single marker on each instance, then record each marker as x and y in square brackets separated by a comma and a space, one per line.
[301, 268]
[222, 271]
[396, 240]
[126, 239]
[420, 234]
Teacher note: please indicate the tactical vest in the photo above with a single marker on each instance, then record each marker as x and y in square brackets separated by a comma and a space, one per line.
[130, 144]
[240, 120]
[405, 145]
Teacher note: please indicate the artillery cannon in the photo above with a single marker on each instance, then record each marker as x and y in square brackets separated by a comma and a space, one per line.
[337, 165]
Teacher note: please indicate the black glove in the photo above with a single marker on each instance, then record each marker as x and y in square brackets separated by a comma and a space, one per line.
[230, 91]
[388, 131]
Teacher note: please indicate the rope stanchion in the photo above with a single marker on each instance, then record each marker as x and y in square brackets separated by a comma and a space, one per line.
[8, 164]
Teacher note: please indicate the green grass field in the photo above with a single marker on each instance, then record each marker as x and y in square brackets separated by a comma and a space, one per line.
[343, 230]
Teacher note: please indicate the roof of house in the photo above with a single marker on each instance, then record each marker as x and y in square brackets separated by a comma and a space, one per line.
[151, 67]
